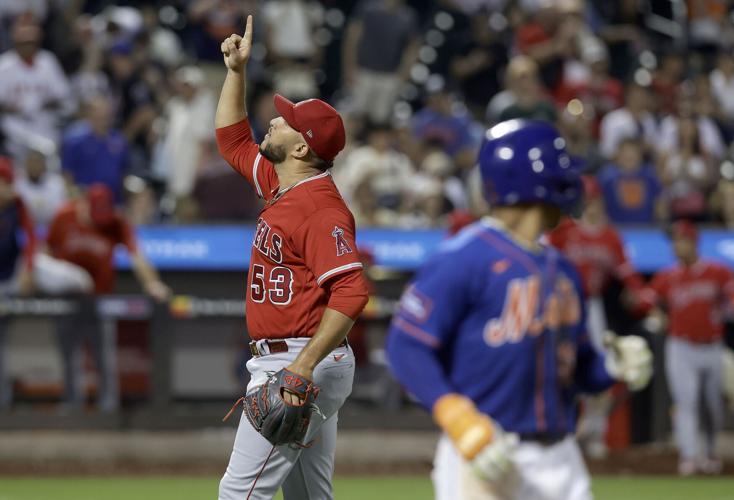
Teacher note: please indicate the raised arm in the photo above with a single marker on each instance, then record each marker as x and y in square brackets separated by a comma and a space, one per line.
[236, 52]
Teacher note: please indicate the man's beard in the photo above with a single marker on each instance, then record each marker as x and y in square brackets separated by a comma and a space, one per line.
[275, 154]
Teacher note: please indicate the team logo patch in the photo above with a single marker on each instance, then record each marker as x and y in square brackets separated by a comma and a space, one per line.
[342, 246]
[416, 304]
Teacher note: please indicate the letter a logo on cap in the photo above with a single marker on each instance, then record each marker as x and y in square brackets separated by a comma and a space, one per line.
[310, 133]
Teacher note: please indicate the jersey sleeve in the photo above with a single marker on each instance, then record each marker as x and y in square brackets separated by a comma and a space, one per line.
[432, 307]
[237, 146]
[326, 242]
[430, 310]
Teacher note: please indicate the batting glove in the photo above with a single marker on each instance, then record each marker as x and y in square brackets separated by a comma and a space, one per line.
[495, 462]
[628, 359]
[477, 438]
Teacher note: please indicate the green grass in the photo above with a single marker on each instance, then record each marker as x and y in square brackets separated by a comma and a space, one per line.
[345, 488]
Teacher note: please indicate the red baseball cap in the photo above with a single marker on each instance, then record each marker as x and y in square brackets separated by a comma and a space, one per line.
[592, 188]
[684, 229]
[320, 124]
[101, 204]
[6, 170]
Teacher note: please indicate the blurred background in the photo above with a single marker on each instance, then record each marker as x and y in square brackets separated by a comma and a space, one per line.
[123, 94]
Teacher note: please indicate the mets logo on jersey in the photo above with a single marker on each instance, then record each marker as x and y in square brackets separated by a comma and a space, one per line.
[342, 246]
[524, 315]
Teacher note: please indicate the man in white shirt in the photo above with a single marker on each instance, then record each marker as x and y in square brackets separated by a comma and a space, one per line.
[634, 120]
[42, 190]
[34, 91]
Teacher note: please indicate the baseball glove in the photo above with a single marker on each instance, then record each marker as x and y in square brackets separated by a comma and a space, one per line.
[278, 420]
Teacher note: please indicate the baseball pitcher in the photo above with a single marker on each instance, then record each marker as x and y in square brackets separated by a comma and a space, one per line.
[491, 338]
[306, 288]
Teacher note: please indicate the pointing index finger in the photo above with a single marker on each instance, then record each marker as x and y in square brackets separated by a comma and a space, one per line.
[248, 29]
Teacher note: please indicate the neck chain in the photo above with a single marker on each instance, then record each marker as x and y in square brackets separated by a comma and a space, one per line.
[281, 192]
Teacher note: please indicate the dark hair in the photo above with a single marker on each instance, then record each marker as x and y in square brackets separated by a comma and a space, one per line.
[317, 162]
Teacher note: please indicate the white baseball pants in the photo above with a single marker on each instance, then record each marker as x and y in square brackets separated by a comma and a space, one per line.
[554, 472]
[257, 469]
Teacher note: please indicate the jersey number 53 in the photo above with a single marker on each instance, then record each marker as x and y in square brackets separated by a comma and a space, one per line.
[276, 285]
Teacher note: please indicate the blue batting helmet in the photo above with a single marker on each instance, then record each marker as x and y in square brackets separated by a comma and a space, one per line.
[525, 161]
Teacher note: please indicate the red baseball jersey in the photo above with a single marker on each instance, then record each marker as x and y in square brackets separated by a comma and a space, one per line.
[88, 246]
[696, 297]
[597, 253]
[305, 236]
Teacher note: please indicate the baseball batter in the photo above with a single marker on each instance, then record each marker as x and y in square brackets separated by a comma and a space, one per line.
[695, 292]
[305, 290]
[491, 336]
[596, 249]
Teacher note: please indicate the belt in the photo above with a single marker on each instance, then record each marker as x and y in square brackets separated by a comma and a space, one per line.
[543, 438]
[276, 346]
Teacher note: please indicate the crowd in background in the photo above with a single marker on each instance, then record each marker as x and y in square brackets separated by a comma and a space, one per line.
[125, 94]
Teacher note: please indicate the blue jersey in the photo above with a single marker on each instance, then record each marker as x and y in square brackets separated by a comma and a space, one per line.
[502, 325]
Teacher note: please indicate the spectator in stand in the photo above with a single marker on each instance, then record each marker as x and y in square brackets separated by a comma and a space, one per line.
[479, 58]
[634, 120]
[666, 82]
[688, 173]
[85, 233]
[188, 131]
[438, 165]
[524, 96]
[709, 138]
[387, 171]
[696, 294]
[215, 20]
[541, 38]
[444, 121]
[722, 202]
[136, 87]
[598, 91]
[164, 45]
[722, 84]
[553, 36]
[94, 151]
[294, 51]
[87, 78]
[34, 91]
[576, 124]
[43, 191]
[631, 189]
[706, 25]
[380, 46]
[422, 204]
[621, 26]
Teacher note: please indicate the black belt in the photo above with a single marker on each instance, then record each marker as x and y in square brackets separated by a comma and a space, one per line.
[544, 438]
[275, 346]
